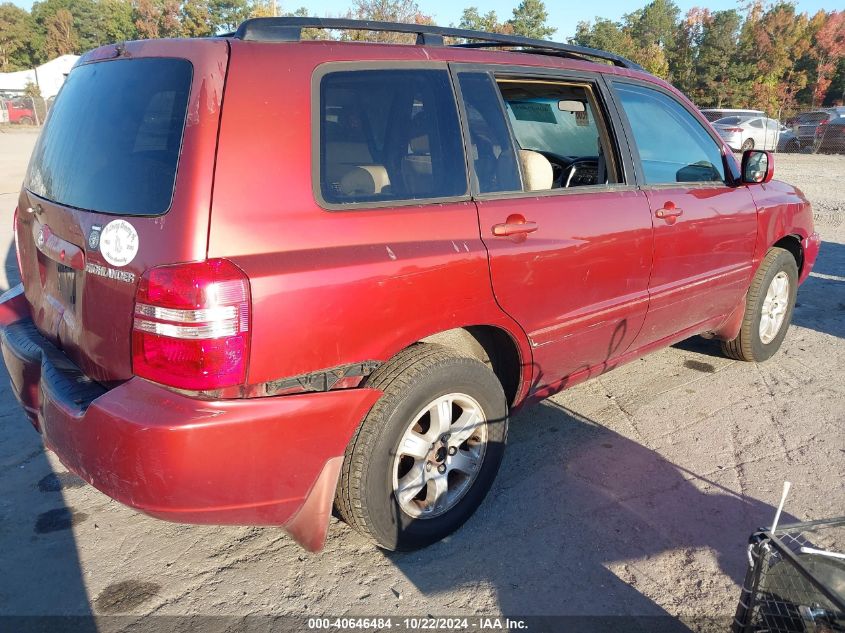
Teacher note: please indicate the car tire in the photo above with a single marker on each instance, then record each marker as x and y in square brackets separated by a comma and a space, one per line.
[375, 493]
[26, 121]
[747, 144]
[792, 147]
[768, 309]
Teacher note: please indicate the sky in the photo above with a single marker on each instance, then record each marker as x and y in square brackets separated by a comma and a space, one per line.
[563, 14]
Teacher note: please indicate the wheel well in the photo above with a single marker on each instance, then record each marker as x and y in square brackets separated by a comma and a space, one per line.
[492, 346]
[792, 243]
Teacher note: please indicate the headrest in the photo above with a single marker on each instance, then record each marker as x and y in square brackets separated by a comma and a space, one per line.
[537, 172]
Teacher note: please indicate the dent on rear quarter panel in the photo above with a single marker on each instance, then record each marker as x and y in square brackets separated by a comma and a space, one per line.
[332, 287]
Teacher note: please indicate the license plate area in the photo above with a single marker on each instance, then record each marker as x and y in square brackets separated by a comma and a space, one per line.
[66, 285]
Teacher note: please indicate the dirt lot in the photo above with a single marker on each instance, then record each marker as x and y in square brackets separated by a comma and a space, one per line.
[633, 494]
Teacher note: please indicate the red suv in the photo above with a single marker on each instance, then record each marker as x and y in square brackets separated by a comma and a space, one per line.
[263, 277]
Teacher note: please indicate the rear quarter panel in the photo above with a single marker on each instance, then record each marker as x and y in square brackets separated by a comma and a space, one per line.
[331, 287]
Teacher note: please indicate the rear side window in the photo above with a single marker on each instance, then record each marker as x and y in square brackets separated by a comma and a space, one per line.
[389, 135]
[673, 146]
[113, 137]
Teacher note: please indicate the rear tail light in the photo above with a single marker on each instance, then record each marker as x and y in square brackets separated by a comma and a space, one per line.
[734, 129]
[821, 127]
[191, 325]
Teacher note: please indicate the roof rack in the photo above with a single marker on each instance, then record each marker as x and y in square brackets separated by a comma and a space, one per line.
[289, 29]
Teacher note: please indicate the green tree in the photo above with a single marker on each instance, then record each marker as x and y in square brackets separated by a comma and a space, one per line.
[717, 69]
[474, 21]
[615, 38]
[407, 11]
[530, 20]
[114, 21]
[196, 18]
[655, 23]
[682, 57]
[226, 15]
[62, 38]
[16, 29]
[605, 35]
[772, 40]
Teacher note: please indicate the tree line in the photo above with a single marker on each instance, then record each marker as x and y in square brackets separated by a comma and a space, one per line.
[769, 57]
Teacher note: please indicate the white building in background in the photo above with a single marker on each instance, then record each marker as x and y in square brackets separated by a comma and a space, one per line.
[48, 77]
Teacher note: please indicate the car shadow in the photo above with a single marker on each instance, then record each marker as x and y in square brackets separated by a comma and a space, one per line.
[821, 298]
[42, 586]
[820, 304]
[571, 547]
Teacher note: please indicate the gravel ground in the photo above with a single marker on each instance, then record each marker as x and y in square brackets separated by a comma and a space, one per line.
[632, 494]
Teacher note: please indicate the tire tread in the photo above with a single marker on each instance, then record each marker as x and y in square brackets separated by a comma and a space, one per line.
[393, 379]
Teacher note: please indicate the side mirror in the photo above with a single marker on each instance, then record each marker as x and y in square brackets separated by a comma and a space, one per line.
[758, 167]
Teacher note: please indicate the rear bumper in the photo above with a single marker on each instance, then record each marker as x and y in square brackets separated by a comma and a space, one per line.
[260, 461]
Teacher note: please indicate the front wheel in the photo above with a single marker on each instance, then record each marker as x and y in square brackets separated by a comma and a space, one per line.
[748, 144]
[426, 455]
[768, 310]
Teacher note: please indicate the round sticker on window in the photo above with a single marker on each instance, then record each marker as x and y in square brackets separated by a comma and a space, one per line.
[119, 243]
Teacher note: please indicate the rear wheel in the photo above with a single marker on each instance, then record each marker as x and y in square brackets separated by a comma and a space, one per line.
[793, 147]
[768, 311]
[26, 121]
[748, 144]
[426, 455]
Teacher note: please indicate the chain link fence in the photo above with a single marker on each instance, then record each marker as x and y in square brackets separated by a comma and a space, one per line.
[814, 131]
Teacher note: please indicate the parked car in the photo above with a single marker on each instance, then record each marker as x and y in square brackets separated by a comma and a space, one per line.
[4, 111]
[742, 133]
[19, 111]
[830, 135]
[808, 123]
[788, 141]
[714, 114]
[475, 230]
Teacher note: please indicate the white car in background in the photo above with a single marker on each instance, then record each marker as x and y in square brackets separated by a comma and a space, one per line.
[749, 132]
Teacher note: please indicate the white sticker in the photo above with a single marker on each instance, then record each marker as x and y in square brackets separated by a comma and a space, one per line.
[119, 243]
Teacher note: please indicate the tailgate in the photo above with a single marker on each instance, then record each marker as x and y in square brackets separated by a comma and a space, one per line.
[119, 181]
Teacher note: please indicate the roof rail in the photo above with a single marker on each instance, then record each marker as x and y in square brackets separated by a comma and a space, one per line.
[289, 29]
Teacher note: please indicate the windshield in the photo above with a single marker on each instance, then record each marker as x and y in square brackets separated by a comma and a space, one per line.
[540, 125]
[112, 140]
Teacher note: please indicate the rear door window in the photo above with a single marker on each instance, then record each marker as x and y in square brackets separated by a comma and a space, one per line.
[113, 138]
[491, 145]
[673, 146]
[389, 136]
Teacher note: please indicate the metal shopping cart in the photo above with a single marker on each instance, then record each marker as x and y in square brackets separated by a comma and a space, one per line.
[795, 581]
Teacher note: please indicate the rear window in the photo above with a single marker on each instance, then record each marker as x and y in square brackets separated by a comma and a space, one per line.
[112, 141]
[729, 120]
[812, 117]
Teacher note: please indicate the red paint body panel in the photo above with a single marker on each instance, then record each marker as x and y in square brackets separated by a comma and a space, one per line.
[579, 284]
[702, 259]
[332, 287]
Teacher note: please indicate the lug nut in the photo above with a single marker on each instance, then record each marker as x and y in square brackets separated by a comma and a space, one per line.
[452, 450]
[441, 469]
[428, 466]
[445, 438]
